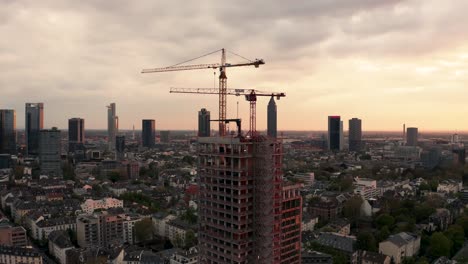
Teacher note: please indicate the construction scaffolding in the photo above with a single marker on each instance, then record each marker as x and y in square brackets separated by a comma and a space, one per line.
[240, 200]
[267, 200]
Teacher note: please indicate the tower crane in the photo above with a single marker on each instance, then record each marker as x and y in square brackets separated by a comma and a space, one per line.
[250, 96]
[222, 77]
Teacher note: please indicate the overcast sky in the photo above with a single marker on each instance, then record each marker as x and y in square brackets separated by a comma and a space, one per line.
[387, 62]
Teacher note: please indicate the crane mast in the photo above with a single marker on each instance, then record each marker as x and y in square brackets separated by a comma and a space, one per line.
[222, 94]
[222, 89]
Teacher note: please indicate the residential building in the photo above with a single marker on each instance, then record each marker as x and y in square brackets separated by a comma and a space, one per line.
[13, 236]
[102, 229]
[325, 208]
[315, 257]
[345, 244]
[204, 127]
[7, 131]
[334, 133]
[41, 229]
[291, 218]
[76, 133]
[272, 120]
[412, 136]
[34, 120]
[128, 226]
[112, 126]
[159, 223]
[87, 231]
[148, 134]
[90, 205]
[50, 152]
[449, 186]
[185, 256]
[16, 255]
[355, 134]
[59, 244]
[400, 245]
[367, 257]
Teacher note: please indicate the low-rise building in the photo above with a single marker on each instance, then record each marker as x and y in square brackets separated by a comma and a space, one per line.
[90, 205]
[342, 243]
[59, 244]
[367, 257]
[400, 245]
[41, 229]
[13, 236]
[16, 255]
[315, 257]
[185, 256]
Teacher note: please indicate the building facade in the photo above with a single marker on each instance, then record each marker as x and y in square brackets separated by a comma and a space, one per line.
[148, 134]
[334, 133]
[50, 149]
[7, 131]
[412, 136]
[355, 134]
[272, 119]
[34, 120]
[112, 125]
[119, 147]
[240, 208]
[204, 128]
[291, 219]
[76, 133]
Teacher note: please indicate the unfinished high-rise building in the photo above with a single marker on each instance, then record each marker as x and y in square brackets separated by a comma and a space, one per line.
[241, 203]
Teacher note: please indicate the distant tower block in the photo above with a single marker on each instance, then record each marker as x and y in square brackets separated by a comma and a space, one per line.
[112, 125]
[272, 128]
[412, 136]
[355, 134]
[204, 123]
[148, 134]
[334, 133]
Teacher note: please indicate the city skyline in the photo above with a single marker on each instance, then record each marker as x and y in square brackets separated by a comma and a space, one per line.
[402, 64]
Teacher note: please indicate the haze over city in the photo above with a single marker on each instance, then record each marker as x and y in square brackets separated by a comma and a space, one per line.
[386, 62]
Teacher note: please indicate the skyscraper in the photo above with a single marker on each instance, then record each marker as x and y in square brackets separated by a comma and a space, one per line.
[148, 133]
[355, 134]
[246, 215]
[50, 152]
[204, 129]
[334, 133]
[112, 125]
[7, 131]
[120, 147]
[272, 129]
[412, 136]
[34, 120]
[76, 133]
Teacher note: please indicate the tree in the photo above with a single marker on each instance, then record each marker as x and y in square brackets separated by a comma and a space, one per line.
[463, 222]
[189, 216]
[383, 234]
[385, 220]
[440, 245]
[114, 176]
[366, 241]
[190, 239]
[144, 230]
[456, 234]
[352, 207]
